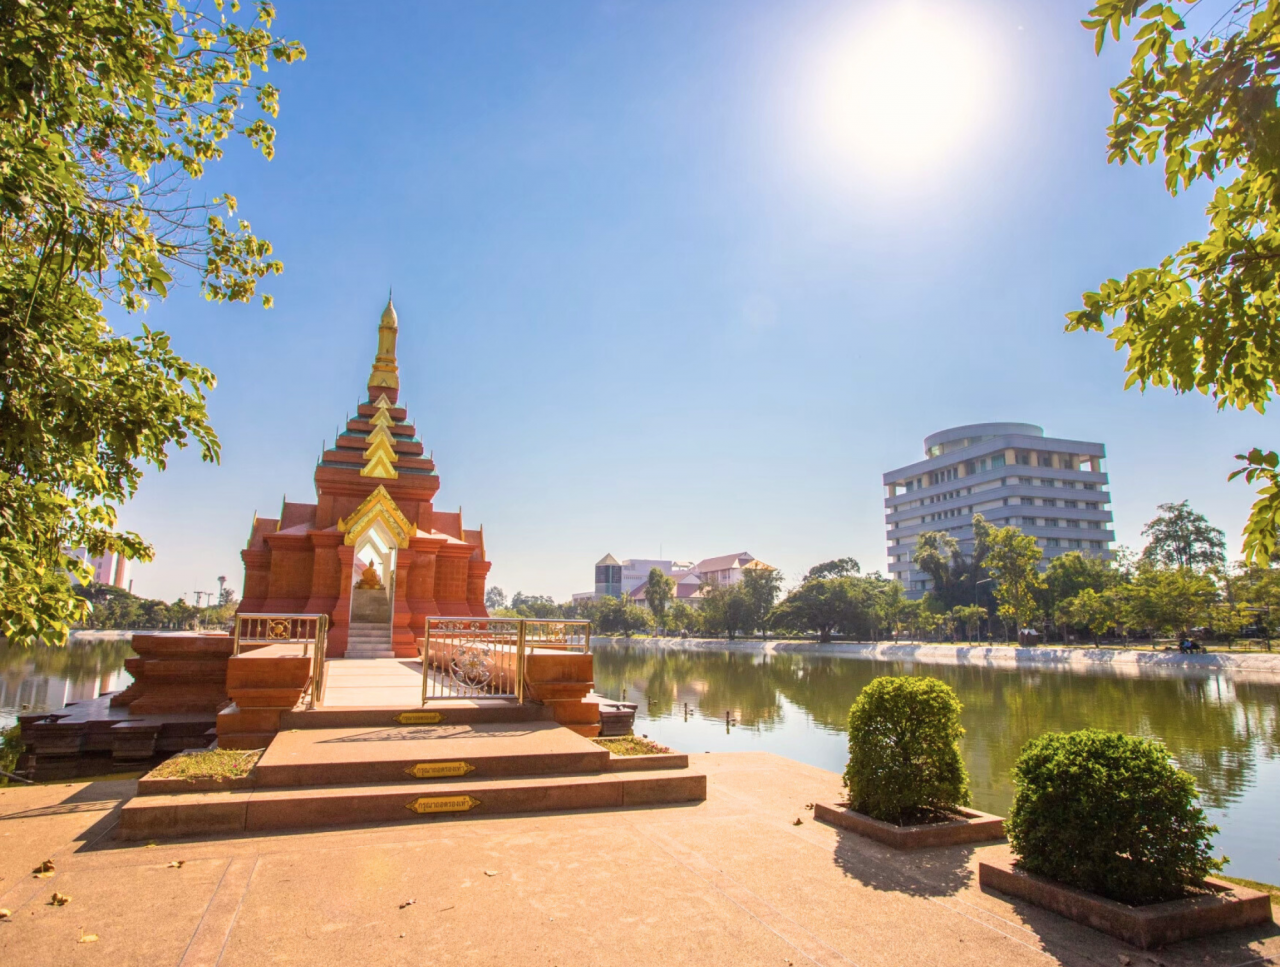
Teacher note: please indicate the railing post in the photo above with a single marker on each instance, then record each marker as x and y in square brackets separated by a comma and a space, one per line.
[317, 660]
[520, 663]
[235, 646]
[426, 659]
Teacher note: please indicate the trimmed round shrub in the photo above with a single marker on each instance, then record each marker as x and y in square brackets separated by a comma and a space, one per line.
[904, 754]
[1110, 814]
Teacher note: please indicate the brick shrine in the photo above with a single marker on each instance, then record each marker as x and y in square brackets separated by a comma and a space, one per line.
[372, 549]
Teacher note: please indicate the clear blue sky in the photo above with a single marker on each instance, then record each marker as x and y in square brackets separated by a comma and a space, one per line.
[682, 276]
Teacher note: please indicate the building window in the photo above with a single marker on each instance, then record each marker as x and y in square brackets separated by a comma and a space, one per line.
[1073, 543]
[1049, 502]
[1051, 542]
[1051, 522]
[1096, 545]
[1090, 486]
[997, 461]
[1024, 459]
[1070, 503]
[1070, 484]
[1073, 523]
[1095, 525]
[1090, 506]
[1028, 501]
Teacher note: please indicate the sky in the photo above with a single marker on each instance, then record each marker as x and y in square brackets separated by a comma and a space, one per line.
[681, 279]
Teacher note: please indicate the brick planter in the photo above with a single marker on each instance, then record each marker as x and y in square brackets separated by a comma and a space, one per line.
[973, 827]
[1154, 925]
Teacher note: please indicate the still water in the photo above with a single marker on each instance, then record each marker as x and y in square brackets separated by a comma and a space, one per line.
[1226, 733]
[42, 679]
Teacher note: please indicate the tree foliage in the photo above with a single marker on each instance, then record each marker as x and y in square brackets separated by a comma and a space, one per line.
[658, 593]
[1207, 318]
[840, 568]
[1011, 560]
[1180, 537]
[109, 111]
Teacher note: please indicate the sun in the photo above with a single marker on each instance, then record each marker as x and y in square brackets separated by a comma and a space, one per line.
[903, 90]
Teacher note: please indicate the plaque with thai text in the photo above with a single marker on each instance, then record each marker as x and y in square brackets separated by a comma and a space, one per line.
[439, 770]
[442, 804]
[419, 718]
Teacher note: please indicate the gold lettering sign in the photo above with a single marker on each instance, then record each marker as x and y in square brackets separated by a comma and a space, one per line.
[439, 770]
[442, 804]
[419, 718]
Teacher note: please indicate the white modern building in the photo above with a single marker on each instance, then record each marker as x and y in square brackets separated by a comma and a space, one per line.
[1012, 474]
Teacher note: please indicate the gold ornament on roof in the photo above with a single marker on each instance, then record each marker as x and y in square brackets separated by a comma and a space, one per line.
[377, 506]
[381, 453]
[385, 371]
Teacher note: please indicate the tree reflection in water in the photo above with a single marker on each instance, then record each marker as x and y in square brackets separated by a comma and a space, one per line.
[1217, 729]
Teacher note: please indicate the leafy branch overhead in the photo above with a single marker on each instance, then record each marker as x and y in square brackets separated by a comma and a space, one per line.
[1207, 317]
[109, 112]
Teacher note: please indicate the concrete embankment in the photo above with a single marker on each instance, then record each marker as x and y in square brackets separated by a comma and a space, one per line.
[1245, 666]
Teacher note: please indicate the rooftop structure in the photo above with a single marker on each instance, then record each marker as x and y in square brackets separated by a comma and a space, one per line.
[1012, 474]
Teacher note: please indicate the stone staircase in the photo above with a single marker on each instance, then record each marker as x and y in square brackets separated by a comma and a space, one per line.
[369, 640]
[454, 759]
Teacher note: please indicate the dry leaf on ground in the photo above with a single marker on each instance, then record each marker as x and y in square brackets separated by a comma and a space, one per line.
[176, 864]
[45, 869]
[5, 914]
[798, 822]
[59, 900]
[87, 937]
[490, 872]
[407, 903]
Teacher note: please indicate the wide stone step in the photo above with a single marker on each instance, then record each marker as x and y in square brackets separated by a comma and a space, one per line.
[316, 757]
[444, 711]
[260, 810]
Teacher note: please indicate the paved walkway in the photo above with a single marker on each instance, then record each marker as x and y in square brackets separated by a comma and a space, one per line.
[727, 882]
[373, 683]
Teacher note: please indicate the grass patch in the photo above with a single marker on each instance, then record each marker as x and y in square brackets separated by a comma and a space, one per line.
[209, 764]
[1252, 885]
[631, 745]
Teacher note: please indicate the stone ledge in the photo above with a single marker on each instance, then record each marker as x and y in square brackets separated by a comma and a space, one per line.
[974, 827]
[641, 763]
[1154, 925]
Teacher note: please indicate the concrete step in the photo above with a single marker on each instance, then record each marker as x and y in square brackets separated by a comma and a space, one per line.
[348, 756]
[213, 813]
[444, 711]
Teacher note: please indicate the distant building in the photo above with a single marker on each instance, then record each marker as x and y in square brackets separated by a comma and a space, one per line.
[1012, 474]
[112, 569]
[616, 578]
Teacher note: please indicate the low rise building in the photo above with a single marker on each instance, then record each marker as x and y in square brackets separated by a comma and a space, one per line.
[1011, 473]
[616, 578]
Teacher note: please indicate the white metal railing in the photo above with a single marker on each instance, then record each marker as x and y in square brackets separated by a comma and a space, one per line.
[485, 657]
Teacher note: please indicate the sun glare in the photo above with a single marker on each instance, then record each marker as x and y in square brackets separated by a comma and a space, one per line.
[899, 92]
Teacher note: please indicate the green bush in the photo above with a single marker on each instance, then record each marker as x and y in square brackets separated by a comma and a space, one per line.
[1110, 814]
[904, 756]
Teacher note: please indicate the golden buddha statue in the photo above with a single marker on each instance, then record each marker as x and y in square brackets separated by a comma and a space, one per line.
[369, 579]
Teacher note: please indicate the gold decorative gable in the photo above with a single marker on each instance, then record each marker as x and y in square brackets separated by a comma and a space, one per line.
[377, 506]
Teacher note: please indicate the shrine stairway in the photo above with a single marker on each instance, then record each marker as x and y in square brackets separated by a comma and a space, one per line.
[348, 766]
[369, 640]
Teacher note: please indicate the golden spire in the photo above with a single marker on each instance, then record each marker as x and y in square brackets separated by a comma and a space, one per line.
[386, 374]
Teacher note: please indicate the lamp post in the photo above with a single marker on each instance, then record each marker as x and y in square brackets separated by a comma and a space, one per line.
[975, 592]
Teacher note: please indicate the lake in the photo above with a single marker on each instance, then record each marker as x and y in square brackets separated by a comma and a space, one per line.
[1225, 733]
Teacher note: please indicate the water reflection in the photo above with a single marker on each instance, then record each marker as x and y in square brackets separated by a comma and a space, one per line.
[1224, 733]
[42, 678]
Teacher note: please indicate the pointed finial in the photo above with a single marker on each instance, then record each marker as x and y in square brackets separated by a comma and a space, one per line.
[385, 376]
